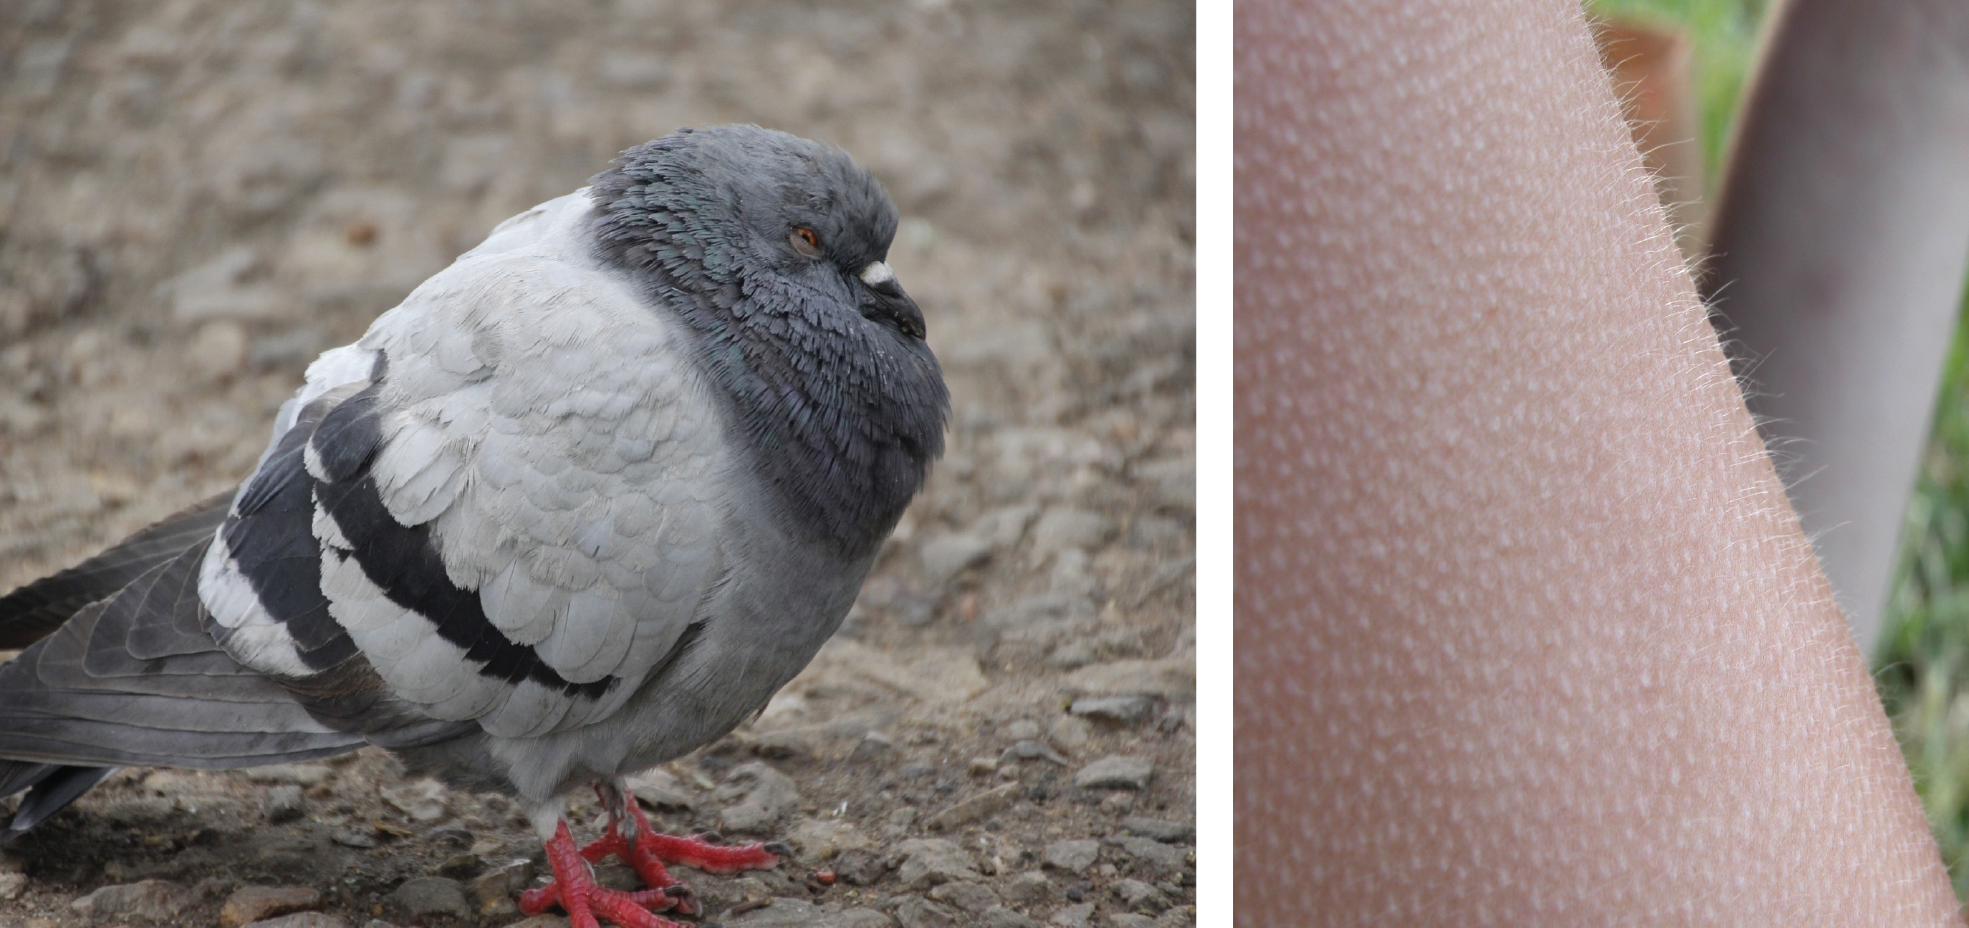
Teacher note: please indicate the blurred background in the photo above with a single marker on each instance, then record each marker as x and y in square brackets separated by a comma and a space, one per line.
[197, 197]
[1686, 70]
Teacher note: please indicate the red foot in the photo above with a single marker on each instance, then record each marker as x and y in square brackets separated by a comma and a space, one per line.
[575, 890]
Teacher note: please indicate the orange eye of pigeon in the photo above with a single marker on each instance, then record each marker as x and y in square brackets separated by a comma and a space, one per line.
[805, 242]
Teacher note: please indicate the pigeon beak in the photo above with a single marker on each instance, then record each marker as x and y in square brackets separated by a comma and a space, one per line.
[887, 301]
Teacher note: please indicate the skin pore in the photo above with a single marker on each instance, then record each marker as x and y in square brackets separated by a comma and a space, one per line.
[1526, 631]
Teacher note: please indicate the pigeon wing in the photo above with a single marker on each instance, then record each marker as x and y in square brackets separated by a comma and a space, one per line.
[512, 517]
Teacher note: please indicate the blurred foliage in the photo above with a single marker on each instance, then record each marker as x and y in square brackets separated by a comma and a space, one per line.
[1923, 655]
[1724, 33]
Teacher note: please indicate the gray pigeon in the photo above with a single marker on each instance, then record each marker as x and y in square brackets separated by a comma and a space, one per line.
[581, 503]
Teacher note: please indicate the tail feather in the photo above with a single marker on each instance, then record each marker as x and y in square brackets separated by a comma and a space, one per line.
[49, 787]
[34, 611]
[135, 679]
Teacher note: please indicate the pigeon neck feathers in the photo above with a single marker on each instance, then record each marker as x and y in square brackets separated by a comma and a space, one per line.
[842, 411]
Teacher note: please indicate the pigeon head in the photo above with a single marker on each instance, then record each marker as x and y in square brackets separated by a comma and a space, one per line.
[773, 249]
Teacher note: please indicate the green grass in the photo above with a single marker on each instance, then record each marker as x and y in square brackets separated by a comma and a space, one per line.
[1923, 657]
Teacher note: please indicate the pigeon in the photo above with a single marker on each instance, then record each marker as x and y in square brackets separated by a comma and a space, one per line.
[580, 504]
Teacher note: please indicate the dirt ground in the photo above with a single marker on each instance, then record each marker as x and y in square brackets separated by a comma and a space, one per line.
[197, 197]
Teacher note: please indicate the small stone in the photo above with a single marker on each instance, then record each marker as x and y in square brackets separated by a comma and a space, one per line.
[1022, 730]
[1064, 528]
[860, 866]
[977, 807]
[999, 916]
[1028, 888]
[461, 866]
[355, 839]
[763, 794]
[1073, 916]
[914, 912]
[1115, 772]
[1070, 733]
[661, 789]
[1005, 526]
[1073, 856]
[11, 885]
[430, 895]
[982, 767]
[218, 350]
[825, 839]
[309, 920]
[492, 893]
[1116, 710]
[1117, 803]
[257, 903]
[946, 557]
[971, 897]
[1140, 896]
[872, 748]
[1182, 916]
[284, 804]
[1152, 857]
[1033, 750]
[1130, 920]
[422, 800]
[1165, 832]
[927, 862]
[155, 901]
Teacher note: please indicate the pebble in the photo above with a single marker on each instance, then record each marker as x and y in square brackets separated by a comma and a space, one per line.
[1130, 920]
[1074, 855]
[355, 839]
[1070, 733]
[155, 901]
[860, 866]
[1165, 832]
[971, 897]
[258, 903]
[927, 862]
[914, 912]
[661, 789]
[1153, 857]
[1115, 771]
[11, 885]
[422, 800]
[1028, 888]
[763, 794]
[1073, 916]
[946, 557]
[1063, 528]
[799, 913]
[218, 350]
[824, 839]
[1032, 750]
[977, 807]
[430, 895]
[284, 804]
[874, 747]
[1182, 916]
[492, 893]
[1006, 526]
[1022, 730]
[308, 920]
[1140, 896]
[999, 916]
[1118, 710]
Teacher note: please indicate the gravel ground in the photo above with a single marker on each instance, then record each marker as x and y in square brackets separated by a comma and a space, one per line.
[197, 197]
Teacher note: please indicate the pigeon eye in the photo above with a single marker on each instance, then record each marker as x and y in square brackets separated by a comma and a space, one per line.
[805, 242]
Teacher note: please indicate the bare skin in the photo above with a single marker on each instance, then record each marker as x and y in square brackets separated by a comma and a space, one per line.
[1527, 633]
